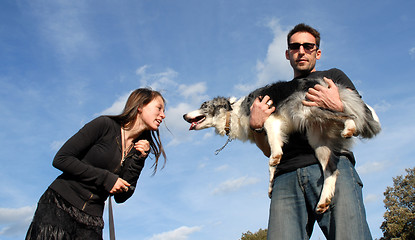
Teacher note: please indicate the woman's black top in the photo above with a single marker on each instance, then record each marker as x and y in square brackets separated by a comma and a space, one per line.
[91, 164]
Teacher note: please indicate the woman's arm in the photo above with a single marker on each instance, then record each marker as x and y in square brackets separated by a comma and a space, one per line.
[132, 168]
[68, 158]
[130, 172]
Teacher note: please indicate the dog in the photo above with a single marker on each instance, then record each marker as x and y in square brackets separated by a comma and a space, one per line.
[327, 131]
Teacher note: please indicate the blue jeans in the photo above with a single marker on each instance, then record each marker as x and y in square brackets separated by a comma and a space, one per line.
[295, 196]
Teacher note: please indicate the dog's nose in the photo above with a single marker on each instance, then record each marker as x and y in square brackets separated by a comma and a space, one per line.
[184, 117]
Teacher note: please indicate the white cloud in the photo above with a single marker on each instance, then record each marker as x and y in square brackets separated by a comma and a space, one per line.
[56, 145]
[382, 106]
[194, 90]
[244, 88]
[195, 93]
[181, 233]
[372, 167]
[15, 221]
[371, 198]
[117, 106]
[176, 124]
[165, 83]
[141, 71]
[208, 135]
[234, 185]
[412, 52]
[62, 25]
[201, 165]
[275, 66]
[160, 81]
[222, 168]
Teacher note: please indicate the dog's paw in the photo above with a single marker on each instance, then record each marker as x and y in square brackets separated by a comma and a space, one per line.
[272, 170]
[348, 132]
[323, 207]
[349, 128]
[275, 159]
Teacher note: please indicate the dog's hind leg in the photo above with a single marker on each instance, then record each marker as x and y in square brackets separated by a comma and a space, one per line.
[273, 126]
[330, 176]
[349, 128]
[272, 170]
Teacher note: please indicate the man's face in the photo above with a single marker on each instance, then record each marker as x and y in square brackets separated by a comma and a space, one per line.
[302, 60]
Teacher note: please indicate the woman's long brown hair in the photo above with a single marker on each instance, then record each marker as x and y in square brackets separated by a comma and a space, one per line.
[138, 99]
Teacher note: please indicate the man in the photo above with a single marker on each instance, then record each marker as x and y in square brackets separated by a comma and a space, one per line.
[299, 177]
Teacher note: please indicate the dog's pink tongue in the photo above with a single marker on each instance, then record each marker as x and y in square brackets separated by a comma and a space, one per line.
[193, 125]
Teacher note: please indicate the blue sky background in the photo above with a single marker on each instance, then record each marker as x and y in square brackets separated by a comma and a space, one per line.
[64, 63]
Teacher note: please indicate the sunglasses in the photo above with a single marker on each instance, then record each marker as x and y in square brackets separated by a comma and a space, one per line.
[306, 46]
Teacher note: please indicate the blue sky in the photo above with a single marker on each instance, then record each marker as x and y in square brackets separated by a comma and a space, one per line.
[64, 63]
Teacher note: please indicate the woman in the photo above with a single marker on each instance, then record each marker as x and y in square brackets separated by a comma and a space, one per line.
[104, 158]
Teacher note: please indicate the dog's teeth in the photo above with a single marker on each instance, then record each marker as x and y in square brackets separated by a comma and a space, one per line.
[193, 125]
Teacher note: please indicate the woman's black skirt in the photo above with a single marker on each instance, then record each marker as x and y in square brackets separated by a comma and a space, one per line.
[56, 219]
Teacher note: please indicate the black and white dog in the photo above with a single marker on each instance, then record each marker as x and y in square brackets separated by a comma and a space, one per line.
[327, 131]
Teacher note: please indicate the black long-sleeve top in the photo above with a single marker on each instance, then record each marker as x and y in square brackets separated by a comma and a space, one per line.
[297, 151]
[91, 164]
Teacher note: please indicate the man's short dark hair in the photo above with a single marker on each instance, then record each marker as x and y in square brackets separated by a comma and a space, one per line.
[304, 28]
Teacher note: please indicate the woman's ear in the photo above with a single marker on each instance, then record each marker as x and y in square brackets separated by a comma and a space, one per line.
[139, 110]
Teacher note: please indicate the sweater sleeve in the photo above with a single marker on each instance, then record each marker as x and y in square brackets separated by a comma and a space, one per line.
[130, 172]
[68, 158]
[339, 77]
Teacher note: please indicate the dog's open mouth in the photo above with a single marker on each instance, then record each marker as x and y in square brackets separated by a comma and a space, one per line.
[195, 121]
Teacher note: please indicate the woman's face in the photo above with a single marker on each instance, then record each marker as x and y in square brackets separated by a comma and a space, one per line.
[152, 114]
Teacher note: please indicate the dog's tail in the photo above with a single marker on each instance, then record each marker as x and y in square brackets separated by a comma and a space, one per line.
[372, 126]
[366, 120]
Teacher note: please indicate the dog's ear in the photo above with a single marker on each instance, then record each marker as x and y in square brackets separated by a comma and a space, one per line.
[229, 105]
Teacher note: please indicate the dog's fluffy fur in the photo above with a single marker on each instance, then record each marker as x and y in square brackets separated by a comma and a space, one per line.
[327, 131]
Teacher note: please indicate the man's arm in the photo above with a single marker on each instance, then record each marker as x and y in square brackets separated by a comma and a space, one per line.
[260, 111]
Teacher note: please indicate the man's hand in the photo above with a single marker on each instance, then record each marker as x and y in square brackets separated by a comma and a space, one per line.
[324, 97]
[260, 111]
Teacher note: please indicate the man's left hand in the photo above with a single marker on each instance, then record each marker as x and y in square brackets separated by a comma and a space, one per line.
[324, 97]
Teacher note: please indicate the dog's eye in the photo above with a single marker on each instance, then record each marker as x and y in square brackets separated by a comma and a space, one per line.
[205, 105]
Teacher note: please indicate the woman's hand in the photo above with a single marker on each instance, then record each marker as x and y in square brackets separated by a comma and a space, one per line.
[324, 97]
[143, 146]
[120, 186]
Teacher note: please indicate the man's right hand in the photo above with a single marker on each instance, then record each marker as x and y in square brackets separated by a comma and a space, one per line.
[260, 111]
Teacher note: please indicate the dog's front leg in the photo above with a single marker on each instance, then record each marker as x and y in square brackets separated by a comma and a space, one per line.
[330, 172]
[273, 126]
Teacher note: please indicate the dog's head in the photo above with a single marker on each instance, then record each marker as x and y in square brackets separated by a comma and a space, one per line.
[210, 114]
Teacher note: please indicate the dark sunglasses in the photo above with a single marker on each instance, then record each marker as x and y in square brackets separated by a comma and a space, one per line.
[306, 46]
